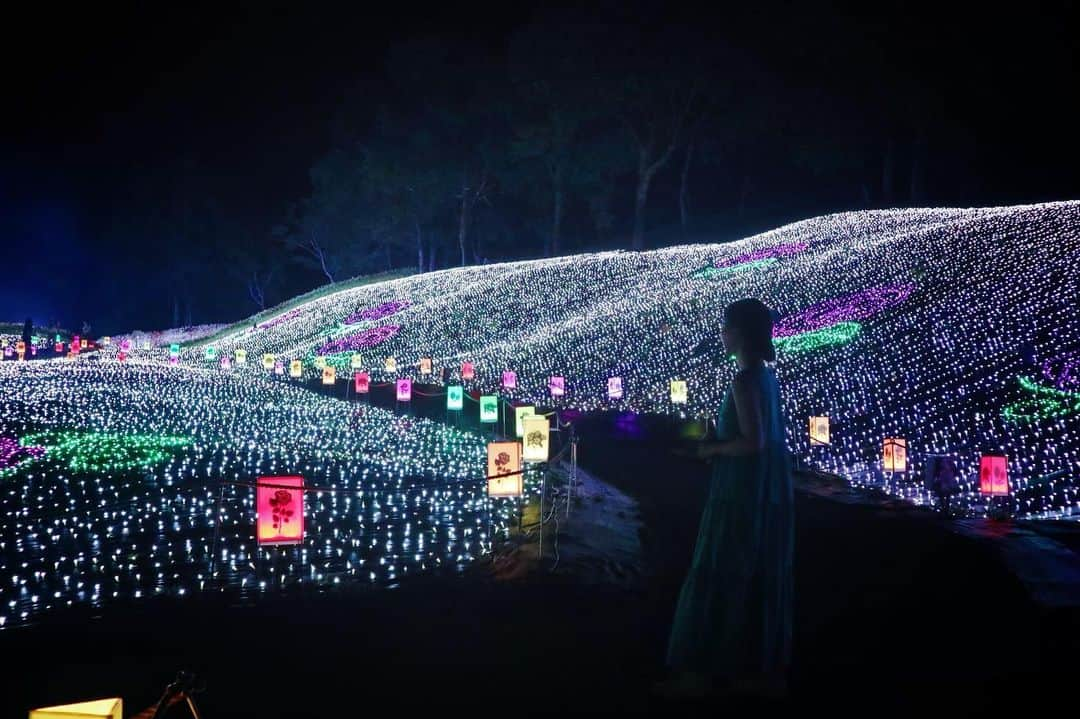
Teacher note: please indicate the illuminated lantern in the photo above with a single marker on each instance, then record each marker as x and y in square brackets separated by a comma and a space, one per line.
[509, 379]
[993, 476]
[329, 375]
[390, 365]
[75, 344]
[211, 353]
[320, 362]
[125, 344]
[59, 347]
[82, 343]
[106, 341]
[819, 431]
[33, 350]
[361, 382]
[174, 350]
[98, 709]
[356, 362]
[146, 345]
[241, 356]
[614, 388]
[678, 391]
[557, 385]
[279, 503]
[279, 367]
[489, 408]
[121, 356]
[468, 370]
[58, 339]
[296, 369]
[20, 349]
[404, 390]
[504, 469]
[521, 413]
[536, 438]
[226, 363]
[895, 455]
[455, 397]
[268, 361]
[425, 365]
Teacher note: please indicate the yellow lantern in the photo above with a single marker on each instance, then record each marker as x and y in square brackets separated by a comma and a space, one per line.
[819, 431]
[537, 438]
[268, 361]
[82, 343]
[504, 469]
[241, 356]
[329, 375]
[296, 369]
[356, 362]
[320, 362]
[678, 391]
[390, 365]
[895, 455]
[425, 365]
[520, 413]
[20, 349]
[99, 709]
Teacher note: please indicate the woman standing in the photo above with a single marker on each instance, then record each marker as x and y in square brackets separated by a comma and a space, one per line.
[732, 627]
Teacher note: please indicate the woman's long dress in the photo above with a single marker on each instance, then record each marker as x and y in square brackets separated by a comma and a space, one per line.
[734, 613]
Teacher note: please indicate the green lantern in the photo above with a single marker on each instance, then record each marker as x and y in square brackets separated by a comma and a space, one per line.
[489, 408]
[455, 397]
[211, 353]
[174, 350]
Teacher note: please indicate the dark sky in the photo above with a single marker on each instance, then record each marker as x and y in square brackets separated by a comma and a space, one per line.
[102, 98]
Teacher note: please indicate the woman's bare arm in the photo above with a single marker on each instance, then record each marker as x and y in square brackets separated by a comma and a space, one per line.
[751, 436]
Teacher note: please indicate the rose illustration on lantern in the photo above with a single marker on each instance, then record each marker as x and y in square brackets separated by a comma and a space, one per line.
[281, 503]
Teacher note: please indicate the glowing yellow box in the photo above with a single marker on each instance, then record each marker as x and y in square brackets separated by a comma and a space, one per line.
[99, 709]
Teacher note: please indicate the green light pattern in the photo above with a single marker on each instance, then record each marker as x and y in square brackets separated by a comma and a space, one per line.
[840, 333]
[103, 452]
[1042, 403]
[712, 273]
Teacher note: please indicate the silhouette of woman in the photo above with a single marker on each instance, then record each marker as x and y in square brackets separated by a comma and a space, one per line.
[732, 626]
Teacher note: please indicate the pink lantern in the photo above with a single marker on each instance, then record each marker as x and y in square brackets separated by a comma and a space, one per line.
[404, 390]
[125, 344]
[509, 379]
[557, 385]
[361, 382]
[121, 356]
[468, 371]
[614, 388]
[993, 476]
[225, 362]
[279, 503]
[59, 347]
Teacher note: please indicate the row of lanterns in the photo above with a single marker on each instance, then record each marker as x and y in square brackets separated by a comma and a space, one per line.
[993, 469]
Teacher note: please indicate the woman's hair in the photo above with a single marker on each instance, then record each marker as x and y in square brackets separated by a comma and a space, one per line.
[753, 321]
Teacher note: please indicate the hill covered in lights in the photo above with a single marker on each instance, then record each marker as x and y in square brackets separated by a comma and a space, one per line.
[956, 330]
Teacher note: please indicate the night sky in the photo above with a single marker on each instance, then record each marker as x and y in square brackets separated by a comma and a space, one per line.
[104, 105]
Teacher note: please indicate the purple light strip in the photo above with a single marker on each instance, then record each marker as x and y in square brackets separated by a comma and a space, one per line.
[857, 306]
[1063, 370]
[377, 313]
[11, 452]
[359, 341]
[279, 319]
[788, 250]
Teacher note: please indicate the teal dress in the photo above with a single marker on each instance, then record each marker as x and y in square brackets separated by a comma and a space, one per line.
[734, 614]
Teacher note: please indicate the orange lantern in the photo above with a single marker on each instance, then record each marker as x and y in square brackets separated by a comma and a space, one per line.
[361, 382]
[468, 370]
[82, 343]
[404, 390]
[819, 431]
[20, 349]
[279, 503]
[504, 469]
[329, 375]
[425, 365]
[895, 455]
[296, 369]
[994, 476]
